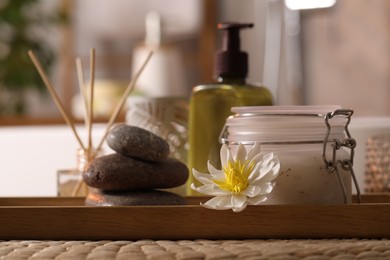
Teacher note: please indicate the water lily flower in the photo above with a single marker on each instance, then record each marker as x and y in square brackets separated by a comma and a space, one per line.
[245, 179]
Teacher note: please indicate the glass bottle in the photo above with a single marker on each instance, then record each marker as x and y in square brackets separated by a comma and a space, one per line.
[210, 104]
[70, 181]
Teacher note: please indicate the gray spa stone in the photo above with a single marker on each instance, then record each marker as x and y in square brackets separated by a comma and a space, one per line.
[133, 198]
[116, 172]
[137, 142]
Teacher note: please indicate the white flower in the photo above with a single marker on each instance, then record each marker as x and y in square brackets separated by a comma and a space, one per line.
[244, 180]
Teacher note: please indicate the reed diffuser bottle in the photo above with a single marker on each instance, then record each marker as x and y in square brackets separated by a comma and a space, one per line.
[210, 104]
[69, 181]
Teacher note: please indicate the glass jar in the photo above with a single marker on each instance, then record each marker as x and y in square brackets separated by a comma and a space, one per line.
[70, 181]
[313, 154]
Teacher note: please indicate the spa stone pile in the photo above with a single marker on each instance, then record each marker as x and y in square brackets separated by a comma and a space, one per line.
[134, 173]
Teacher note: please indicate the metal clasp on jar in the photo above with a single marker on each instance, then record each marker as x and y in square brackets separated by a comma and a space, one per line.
[349, 143]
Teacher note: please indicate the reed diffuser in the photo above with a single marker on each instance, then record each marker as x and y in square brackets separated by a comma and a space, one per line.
[70, 183]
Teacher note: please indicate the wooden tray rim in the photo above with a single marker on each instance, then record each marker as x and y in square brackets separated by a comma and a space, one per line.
[370, 219]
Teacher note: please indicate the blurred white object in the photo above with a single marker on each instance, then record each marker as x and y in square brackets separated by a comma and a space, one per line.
[164, 76]
[122, 21]
[308, 4]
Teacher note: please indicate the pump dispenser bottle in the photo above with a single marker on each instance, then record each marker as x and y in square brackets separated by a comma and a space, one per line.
[210, 104]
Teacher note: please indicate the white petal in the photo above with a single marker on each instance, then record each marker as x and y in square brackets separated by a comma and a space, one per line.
[238, 200]
[235, 209]
[259, 172]
[262, 159]
[194, 187]
[224, 154]
[219, 203]
[257, 158]
[265, 188]
[212, 190]
[214, 172]
[209, 189]
[256, 200]
[252, 191]
[255, 173]
[204, 178]
[267, 172]
[237, 203]
[272, 174]
[239, 208]
[267, 158]
[254, 151]
[230, 157]
[241, 153]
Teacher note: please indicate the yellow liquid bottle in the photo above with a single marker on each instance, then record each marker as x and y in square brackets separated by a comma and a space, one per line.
[211, 104]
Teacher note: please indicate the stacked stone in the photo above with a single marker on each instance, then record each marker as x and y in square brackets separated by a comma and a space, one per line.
[136, 171]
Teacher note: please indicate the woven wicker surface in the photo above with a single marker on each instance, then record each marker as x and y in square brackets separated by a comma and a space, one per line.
[198, 249]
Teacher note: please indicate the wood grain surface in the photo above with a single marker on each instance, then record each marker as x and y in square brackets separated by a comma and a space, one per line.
[67, 218]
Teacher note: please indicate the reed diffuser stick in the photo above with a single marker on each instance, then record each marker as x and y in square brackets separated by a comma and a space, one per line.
[119, 106]
[90, 97]
[83, 90]
[88, 102]
[54, 95]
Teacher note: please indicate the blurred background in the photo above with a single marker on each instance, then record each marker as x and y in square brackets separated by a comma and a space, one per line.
[311, 52]
[337, 54]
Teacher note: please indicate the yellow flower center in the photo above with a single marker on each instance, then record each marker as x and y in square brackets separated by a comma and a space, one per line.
[236, 176]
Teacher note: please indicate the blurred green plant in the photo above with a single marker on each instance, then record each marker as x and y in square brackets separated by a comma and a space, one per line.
[23, 24]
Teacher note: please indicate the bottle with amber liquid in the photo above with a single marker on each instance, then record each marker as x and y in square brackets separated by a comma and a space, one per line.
[210, 104]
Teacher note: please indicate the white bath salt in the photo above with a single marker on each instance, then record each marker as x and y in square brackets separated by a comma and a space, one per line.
[304, 179]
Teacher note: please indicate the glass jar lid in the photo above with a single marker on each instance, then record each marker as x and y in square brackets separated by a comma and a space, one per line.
[274, 124]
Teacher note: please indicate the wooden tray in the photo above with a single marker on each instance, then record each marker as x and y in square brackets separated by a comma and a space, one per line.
[68, 218]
